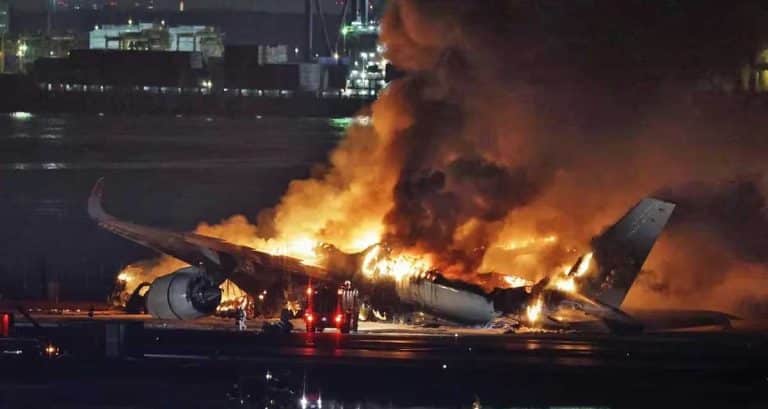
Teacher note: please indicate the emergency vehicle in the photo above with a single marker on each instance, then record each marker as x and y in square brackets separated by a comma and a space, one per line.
[330, 307]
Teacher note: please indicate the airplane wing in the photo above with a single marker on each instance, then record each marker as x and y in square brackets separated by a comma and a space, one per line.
[220, 259]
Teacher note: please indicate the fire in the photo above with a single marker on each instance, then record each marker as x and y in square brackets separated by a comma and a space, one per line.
[365, 240]
[231, 296]
[584, 265]
[529, 242]
[533, 311]
[380, 263]
[568, 285]
[515, 281]
[302, 247]
[135, 274]
[567, 280]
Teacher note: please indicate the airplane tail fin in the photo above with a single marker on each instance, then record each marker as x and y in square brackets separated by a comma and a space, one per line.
[619, 253]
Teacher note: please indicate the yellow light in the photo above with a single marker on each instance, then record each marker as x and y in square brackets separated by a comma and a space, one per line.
[51, 350]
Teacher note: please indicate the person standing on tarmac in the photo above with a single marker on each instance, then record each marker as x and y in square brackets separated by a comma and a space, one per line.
[350, 303]
[240, 315]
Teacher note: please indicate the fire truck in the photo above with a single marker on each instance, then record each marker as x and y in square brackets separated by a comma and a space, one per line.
[332, 307]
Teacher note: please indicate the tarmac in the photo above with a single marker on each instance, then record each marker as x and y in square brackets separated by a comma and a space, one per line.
[197, 364]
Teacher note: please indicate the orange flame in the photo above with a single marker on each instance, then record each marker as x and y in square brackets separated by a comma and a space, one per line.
[533, 311]
[379, 263]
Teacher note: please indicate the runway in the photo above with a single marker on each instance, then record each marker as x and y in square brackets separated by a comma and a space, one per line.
[214, 339]
[394, 366]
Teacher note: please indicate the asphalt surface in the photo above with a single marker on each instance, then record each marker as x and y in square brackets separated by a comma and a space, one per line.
[158, 364]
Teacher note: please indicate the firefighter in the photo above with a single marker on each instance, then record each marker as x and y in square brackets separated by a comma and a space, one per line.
[350, 304]
[240, 315]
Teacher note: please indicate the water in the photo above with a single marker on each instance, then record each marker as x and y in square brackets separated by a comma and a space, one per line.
[171, 172]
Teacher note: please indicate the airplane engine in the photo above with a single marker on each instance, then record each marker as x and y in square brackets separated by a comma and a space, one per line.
[185, 294]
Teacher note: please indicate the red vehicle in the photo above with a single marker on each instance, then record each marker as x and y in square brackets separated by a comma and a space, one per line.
[329, 307]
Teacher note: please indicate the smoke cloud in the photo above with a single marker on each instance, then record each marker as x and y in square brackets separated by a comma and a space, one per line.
[586, 130]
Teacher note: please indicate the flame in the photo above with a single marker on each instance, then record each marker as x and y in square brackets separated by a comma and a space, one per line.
[533, 311]
[365, 240]
[584, 265]
[515, 281]
[380, 263]
[529, 242]
[567, 281]
[567, 284]
[302, 247]
[231, 297]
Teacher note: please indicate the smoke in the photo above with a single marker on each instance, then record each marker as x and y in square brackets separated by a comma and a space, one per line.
[516, 123]
[518, 131]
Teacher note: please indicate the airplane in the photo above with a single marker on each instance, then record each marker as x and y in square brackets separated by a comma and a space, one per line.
[566, 300]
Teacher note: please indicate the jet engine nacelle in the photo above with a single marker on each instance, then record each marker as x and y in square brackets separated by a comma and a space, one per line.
[186, 294]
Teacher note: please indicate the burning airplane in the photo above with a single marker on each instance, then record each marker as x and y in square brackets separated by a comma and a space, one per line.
[592, 289]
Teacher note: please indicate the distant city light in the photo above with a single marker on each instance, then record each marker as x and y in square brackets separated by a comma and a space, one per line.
[21, 115]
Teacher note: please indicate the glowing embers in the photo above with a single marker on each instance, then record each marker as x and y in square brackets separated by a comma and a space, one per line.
[380, 262]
